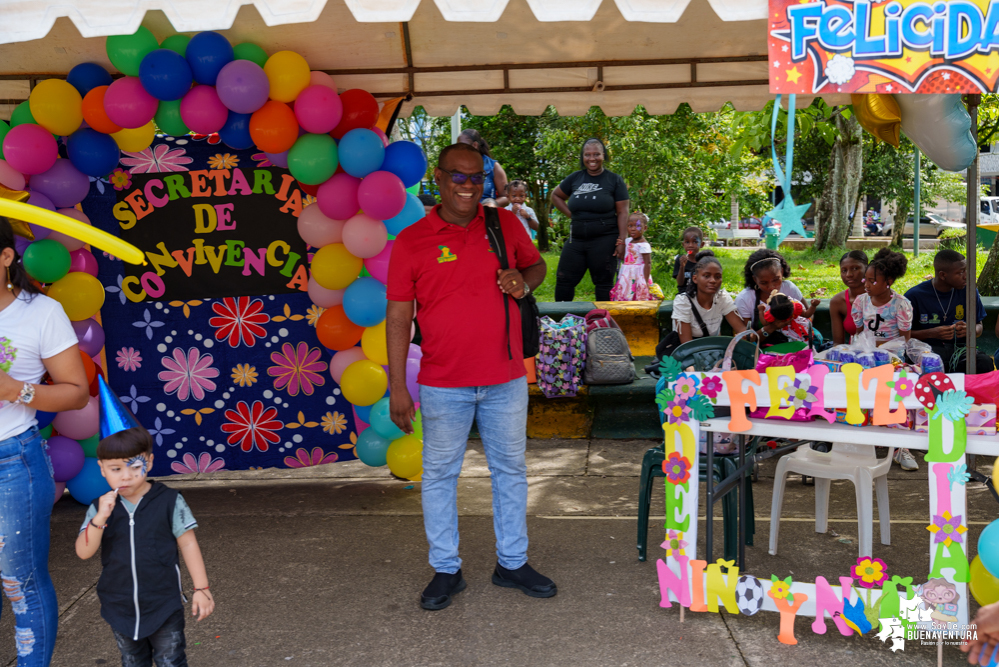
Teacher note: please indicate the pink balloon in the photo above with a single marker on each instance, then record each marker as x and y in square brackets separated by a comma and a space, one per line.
[30, 149]
[381, 135]
[381, 195]
[378, 265]
[359, 426]
[321, 79]
[83, 260]
[316, 229]
[128, 104]
[202, 110]
[318, 109]
[364, 236]
[340, 361]
[322, 297]
[337, 196]
[68, 241]
[64, 184]
[11, 177]
[79, 424]
[60, 490]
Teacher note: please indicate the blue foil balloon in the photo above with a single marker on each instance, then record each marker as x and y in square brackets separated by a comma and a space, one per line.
[87, 76]
[208, 53]
[236, 132]
[406, 160]
[364, 302]
[165, 75]
[411, 212]
[115, 417]
[941, 127]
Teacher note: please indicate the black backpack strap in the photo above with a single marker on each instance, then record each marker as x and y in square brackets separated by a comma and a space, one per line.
[697, 316]
[495, 233]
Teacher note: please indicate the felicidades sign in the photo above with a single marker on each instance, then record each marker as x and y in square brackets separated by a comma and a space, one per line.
[213, 233]
[901, 46]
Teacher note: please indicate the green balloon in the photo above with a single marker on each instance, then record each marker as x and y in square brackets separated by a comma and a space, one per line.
[414, 189]
[250, 51]
[176, 43]
[168, 119]
[4, 129]
[127, 51]
[364, 273]
[418, 425]
[21, 115]
[313, 159]
[46, 432]
[46, 261]
[90, 445]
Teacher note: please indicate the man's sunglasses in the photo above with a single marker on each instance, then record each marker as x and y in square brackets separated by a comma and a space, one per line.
[460, 177]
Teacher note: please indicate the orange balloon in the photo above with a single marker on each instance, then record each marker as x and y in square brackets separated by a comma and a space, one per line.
[336, 331]
[94, 114]
[273, 127]
[89, 366]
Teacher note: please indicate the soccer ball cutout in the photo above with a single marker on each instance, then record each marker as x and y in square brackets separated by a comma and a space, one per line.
[749, 594]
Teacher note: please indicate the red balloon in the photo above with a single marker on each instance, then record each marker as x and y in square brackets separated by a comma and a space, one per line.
[360, 110]
[308, 189]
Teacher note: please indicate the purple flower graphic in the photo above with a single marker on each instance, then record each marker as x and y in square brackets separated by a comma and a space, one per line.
[158, 431]
[946, 528]
[188, 374]
[133, 400]
[147, 323]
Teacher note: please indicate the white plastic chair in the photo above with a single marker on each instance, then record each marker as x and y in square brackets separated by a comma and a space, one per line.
[856, 463]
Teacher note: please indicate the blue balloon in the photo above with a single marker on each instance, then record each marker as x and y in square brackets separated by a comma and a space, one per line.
[115, 417]
[381, 421]
[407, 161]
[91, 152]
[208, 53]
[364, 302]
[361, 152]
[363, 413]
[371, 448]
[236, 131]
[988, 548]
[89, 484]
[165, 75]
[410, 213]
[44, 419]
[87, 76]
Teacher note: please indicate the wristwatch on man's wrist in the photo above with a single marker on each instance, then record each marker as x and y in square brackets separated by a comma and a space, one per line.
[527, 290]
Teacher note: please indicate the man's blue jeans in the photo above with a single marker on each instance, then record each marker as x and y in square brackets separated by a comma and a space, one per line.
[500, 411]
[26, 494]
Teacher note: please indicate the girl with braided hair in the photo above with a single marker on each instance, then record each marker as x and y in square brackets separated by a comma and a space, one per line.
[699, 311]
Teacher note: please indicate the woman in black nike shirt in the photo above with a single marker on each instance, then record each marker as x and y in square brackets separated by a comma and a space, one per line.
[597, 202]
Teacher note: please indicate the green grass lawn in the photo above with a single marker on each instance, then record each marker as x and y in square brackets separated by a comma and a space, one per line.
[815, 273]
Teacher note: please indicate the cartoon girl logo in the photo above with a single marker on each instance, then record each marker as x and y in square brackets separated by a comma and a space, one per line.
[941, 597]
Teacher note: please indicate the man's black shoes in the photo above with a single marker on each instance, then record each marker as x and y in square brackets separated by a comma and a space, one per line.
[441, 589]
[527, 579]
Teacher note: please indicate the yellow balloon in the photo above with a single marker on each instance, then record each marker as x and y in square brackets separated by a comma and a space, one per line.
[288, 74]
[58, 222]
[334, 267]
[135, 140]
[405, 457]
[363, 383]
[879, 114]
[984, 587]
[56, 106]
[374, 344]
[80, 294]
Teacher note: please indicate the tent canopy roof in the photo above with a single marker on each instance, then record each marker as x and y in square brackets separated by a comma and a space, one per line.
[572, 54]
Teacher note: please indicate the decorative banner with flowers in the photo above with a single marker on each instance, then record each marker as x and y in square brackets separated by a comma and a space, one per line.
[868, 600]
[230, 383]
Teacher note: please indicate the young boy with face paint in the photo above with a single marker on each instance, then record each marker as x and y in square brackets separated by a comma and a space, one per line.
[141, 525]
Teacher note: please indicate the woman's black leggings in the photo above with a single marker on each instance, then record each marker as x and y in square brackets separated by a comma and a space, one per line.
[584, 252]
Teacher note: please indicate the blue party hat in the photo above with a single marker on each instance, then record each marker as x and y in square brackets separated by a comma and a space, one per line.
[115, 416]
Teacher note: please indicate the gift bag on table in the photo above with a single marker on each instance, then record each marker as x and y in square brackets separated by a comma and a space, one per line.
[562, 357]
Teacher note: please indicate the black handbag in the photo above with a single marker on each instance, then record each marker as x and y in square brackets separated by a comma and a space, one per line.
[529, 313]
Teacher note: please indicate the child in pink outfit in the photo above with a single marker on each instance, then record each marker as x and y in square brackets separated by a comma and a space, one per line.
[635, 275]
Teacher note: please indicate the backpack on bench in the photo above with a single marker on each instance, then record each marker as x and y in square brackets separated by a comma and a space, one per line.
[608, 356]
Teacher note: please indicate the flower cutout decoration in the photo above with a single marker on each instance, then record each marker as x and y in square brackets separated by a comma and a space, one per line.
[674, 544]
[252, 426]
[334, 423]
[239, 320]
[903, 386]
[305, 459]
[869, 572]
[121, 179]
[781, 589]
[188, 374]
[129, 359]
[244, 375]
[686, 386]
[677, 468]
[313, 314]
[677, 411]
[712, 386]
[803, 393]
[157, 159]
[204, 463]
[298, 369]
[946, 528]
[959, 475]
[223, 161]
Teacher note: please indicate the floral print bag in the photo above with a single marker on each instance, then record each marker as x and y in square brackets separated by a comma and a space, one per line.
[562, 357]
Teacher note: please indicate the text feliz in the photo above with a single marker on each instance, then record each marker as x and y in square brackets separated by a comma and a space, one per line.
[951, 30]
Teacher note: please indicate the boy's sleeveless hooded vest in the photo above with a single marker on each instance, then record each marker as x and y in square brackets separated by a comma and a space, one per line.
[140, 585]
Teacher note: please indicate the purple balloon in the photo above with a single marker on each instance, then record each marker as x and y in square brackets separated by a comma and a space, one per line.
[65, 185]
[243, 86]
[415, 351]
[412, 372]
[278, 159]
[21, 244]
[90, 335]
[41, 201]
[67, 458]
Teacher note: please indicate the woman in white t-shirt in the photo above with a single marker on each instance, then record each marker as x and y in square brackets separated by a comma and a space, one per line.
[36, 339]
[699, 311]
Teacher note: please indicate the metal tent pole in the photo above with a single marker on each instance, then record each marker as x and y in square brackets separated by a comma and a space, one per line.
[915, 215]
[971, 302]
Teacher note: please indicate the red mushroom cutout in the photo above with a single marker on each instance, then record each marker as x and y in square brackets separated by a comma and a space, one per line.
[930, 386]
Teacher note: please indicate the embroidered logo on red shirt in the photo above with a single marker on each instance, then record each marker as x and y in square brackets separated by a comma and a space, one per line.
[446, 255]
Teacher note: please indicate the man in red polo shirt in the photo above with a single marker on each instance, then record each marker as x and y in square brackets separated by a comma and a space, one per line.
[472, 368]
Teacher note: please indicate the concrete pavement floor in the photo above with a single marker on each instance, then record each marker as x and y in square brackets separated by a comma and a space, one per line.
[324, 566]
